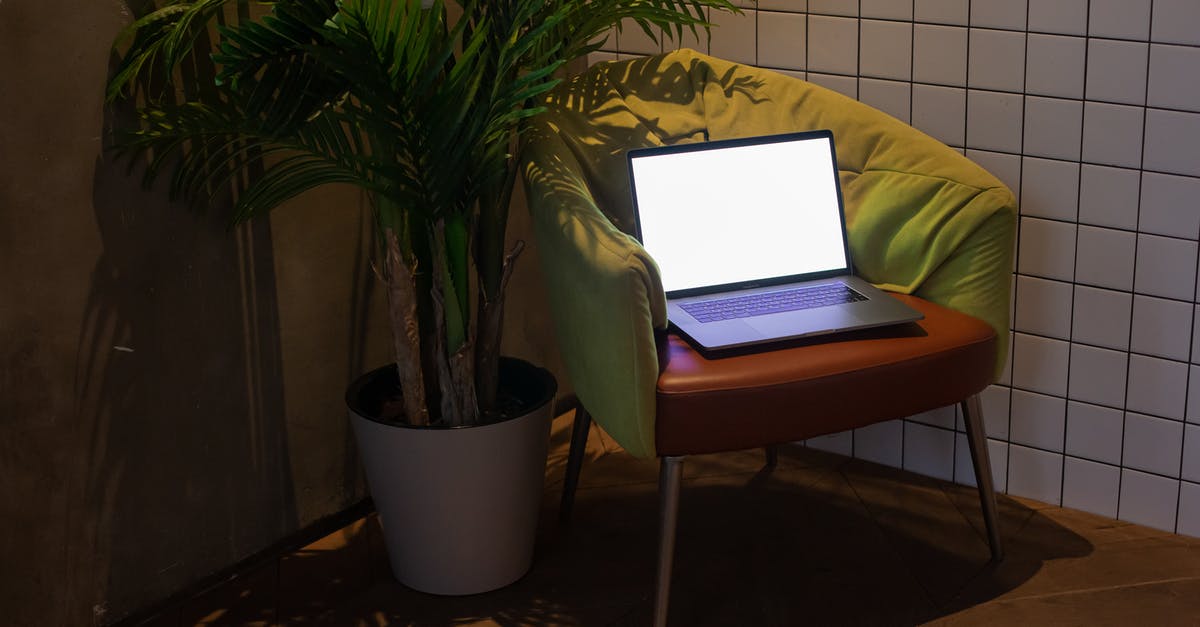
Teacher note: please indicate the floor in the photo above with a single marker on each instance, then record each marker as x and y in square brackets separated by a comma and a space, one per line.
[819, 540]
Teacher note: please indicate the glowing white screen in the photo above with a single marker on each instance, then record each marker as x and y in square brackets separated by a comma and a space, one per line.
[711, 217]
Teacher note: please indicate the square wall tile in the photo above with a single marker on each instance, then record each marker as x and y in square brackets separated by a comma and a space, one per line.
[697, 41]
[1173, 142]
[1101, 317]
[1162, 328]
[996, 60]
[1157, 387]
[1047, 248]
[838, 443]
[1112, 134]
[1119, 19]
[1091, 487]
[1116, 71]
[1105, 258]
[1176, 22]
[1193, 397]
[1095, 432]
[845, 85]
[887, 9]
[1003, 166]
[832, 45]
[940, 54]
[1170, 205]
[1055, 66]
[1166, 267]
[1035, 474]
[1038, 420]
[881, 443]
[891, 97]
[782, 40]
[1152, 444]
[941, 417]
[941, 11]
[634, 40]
[1189, 509]
[994, 120]
[833, 7]
[735, 37]
[1068, 17]
[1053, 127]
[1008, 14]
[941, 112]
[601, 57]
[1148, 500]
[1190, 468]
[1044, 307]
[995, 401]
[1051, 188]
[796, 6]
[929, 451]
[1174, 83]
[964, 466]
[1040, 364]
[1108, 196]
[885, 50]
[1098, 375]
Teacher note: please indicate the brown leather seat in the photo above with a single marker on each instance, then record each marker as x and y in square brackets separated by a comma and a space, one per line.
[819, 387]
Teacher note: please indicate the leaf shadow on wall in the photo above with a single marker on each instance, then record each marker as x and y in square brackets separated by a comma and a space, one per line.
[180, 393]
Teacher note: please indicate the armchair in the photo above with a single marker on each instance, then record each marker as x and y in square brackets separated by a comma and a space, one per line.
[925, 223]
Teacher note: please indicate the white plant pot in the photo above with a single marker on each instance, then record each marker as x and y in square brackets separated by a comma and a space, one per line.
[459, 506]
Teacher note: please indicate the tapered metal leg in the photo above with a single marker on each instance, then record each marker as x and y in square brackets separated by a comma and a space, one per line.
[669, 476]
[579, 436]
[772, 452]
[977, 440]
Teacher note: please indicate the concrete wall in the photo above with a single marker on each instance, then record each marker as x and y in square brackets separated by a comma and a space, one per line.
[170, 391]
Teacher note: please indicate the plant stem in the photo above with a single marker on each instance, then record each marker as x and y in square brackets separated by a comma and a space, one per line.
[406, 338]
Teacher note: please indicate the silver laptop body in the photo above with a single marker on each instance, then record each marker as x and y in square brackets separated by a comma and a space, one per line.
[745, 230]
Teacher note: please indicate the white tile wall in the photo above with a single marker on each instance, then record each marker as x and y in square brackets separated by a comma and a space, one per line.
[998, 13]
[1038, 420]
[1101, 317]
[929, 450]
[1148, 499]
[1036, 474]
[1152, 444]
[1068, 17]
[1053, 127]
[881, 443]
[1091, 487]
[1089, 110]
[940, 54]
[1177, 21]
[1054, 66]
[886, 49]
[1116, 71]
[996, 59]
[1108, 196]
[840, 443]
[1095, 432]
[1120, 19]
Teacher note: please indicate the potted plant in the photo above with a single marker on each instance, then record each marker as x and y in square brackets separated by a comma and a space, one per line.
[420, 104]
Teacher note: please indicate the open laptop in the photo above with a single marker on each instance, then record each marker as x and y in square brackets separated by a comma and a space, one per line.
[750, 237]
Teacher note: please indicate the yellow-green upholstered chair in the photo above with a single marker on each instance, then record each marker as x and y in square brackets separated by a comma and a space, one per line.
[925, 224]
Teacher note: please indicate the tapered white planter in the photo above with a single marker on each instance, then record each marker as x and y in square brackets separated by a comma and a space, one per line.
[459, 506]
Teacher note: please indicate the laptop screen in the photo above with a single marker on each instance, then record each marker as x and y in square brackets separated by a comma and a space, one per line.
[740, 211]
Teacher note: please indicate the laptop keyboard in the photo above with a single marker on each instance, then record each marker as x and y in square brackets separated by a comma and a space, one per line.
[771, 302]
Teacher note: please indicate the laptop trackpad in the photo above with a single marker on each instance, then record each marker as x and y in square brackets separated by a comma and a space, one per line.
[807, 322]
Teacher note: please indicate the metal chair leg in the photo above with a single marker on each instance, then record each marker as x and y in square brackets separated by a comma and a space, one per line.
[579, 436]
[772, 453]
[669, 477]
[972, 410]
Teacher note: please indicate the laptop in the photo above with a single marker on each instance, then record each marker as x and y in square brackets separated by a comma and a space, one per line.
[750, 237]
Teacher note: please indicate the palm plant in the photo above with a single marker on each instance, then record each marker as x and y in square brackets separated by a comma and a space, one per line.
[420, 104]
